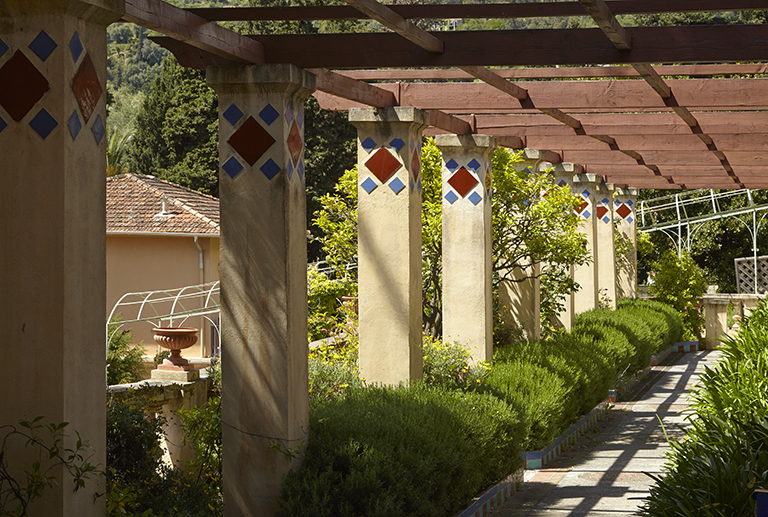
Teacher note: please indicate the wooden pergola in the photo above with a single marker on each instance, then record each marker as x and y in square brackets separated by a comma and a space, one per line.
[605, 100]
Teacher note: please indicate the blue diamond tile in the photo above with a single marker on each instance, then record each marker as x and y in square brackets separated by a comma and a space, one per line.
[289, 169]
[3, 47]
[605, 201]
[396, 185]
[233, 114]
[288, 115]
[451, 197]
[586, 214]
[412, 144]
[629, 219]
[475, 198]
[617, 202]
[562, 183]
[451, 165]
[75, 46]
[474, 165]
[269, 115]
[74, 124]
[270, 168]
[300, 168]
[368, 144]
[585, 193]
[3, 124]
[629, 202]
[369, 185]
[43, 45]
[232, 167]
[98, 129]
[397, 144]
[606, 219]
[419, 185]
[413, 185]
[300, 117]
[43, 123]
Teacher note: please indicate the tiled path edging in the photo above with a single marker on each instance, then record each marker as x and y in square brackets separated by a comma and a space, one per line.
[681, 347]
[494, 497]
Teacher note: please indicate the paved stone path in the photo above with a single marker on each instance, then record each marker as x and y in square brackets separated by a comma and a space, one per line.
[603, 474]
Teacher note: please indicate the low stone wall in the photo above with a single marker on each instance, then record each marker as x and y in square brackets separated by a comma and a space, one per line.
[716, 313]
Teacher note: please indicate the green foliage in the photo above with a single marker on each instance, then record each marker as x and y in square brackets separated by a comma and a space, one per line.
[133, 440]
[401, 451]
[664, 321]
[54, 451]
[722, 459]
[679, 282]
[125, 362]
[177, 130]
[632, 325]
[333, 368]
[447, 365]
[325, 302]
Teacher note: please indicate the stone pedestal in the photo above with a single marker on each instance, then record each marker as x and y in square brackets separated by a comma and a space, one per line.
[626, 268]
[52, 261]
[467, 261]
[389, 242]
[263, 270]
[606, 248]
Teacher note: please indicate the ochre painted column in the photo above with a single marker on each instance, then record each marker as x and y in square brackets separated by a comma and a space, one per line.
[624, 210]
[263, 269]
[606, 244]
[53, 228]
[563, 174]
[586, 298]
[520, 300]
[389, 242]
[467, 260]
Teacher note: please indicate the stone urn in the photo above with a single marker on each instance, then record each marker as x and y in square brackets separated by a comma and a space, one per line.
[175, 339]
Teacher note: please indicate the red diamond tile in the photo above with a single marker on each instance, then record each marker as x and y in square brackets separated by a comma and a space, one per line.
[580, 208]
[623, 211]
[21, 86]
[415, 166]
[87, 87]
[382, 164]
[601, 211]
[251, 141]
[295, 144]
[463, 181]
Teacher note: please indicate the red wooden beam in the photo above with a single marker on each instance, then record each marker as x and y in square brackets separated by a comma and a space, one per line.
[604, 18]
[393, 21]
[347, 88]
[193, 30]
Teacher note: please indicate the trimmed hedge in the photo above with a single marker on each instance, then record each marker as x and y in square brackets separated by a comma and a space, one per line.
[426, 450]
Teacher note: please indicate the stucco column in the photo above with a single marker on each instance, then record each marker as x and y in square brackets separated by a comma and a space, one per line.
[563, 174]
[467, 260]
[520, 300]
[624, 208]
[263, 268]
[586, 298]
[389, 242]
[606, 244]
[53, 228]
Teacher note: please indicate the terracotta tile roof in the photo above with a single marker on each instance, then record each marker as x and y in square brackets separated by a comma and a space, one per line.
[134, 205]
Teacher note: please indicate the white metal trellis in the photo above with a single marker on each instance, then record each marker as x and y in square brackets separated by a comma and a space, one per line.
[157, 307]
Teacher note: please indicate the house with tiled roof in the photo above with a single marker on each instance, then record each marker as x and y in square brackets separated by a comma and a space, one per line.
[160, 236]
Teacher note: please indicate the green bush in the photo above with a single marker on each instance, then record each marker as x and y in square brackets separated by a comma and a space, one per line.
[679, 282]
[133, 440]
[402, 451]
[324, 295]
[666, 323]
[632, 326]
[724, 456]
[125, 362]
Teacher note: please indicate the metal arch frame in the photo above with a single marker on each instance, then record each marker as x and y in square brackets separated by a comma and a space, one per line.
[174, 296]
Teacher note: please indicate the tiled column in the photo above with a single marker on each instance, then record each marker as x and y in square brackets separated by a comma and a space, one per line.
[520, 300]
[606, 244]
[389, 242]
[467, 261]
[53, 229]
[586, 298]
[563, 174]
[624, 210]
[263, 269]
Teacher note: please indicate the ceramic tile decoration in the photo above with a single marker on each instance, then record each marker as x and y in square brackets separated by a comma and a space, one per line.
[473, 165]
[269, 114]
[289, 169]
[232, 114]
[3, 124]
[451, 197]
[369, 185]
[475, 198]
[368, 144]
[462, 181]
[21, 86]
[43, 123]
[270, 168]
[295, 145]
[301, 168]
[232, 167]
[624, 210]
[3, 47]
[43, 45]
[98, 129]
[87, 87]
[251, 141]
[451, 165]
[396, 185]
[74, 124]
[416, 165]
[397, 144]
[75, 46]
[300, 117]
[382, 164]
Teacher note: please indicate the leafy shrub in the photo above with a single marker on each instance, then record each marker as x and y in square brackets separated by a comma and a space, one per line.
[445, 364]
[679, 282]
[401, 451]
[632, 326]
[332, 379]
[324, 296]
[668, 326]
[125, 362]
[133, 440]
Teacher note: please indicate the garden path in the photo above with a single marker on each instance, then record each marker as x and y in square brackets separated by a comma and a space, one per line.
[603, 474]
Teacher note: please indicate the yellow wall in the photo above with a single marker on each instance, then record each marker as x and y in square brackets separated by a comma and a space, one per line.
[137, 263]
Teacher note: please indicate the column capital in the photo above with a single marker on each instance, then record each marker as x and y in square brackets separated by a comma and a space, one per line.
[562, 169]
[466, 142]
[627, 191]
[587, 178]
[98, 11]
[404, 114]
[257, 78]
[609, 187]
